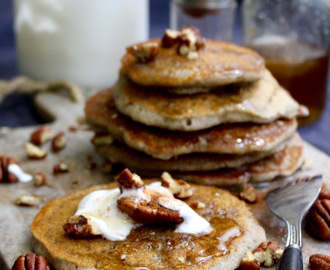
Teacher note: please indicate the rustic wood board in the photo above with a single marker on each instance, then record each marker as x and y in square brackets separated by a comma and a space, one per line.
[15, 236]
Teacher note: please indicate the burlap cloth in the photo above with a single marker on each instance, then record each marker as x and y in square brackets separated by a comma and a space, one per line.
[25, 85]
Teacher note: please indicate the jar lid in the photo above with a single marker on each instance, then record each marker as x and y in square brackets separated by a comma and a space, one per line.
[207, 4]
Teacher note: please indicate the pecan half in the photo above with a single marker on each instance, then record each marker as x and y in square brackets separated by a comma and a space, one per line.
[31, 262]
[78, 226]
[268, 253]
[144, 52]
[144, 208]
[41, 135]
[319, 262]
[318, 219]
[248, 193]
[5, 175]
[179, 188]
[59, 142]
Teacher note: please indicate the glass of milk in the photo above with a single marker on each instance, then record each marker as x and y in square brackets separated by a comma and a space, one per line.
[77, 40]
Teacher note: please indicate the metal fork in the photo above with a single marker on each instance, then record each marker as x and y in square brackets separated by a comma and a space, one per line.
[291, 203]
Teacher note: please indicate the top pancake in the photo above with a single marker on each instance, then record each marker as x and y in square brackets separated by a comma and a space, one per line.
[151, 247]
[219, 63]
[260, 102]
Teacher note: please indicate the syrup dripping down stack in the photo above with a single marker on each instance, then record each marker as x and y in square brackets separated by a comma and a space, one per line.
[208, 112]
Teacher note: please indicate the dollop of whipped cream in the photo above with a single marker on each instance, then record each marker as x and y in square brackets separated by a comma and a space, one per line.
[106, 219]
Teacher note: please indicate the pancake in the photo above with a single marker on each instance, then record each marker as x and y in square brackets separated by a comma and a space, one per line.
[120, 153]
[219, 63]
[151, 247]
[282, 163]
[260, 102]
[238, 139]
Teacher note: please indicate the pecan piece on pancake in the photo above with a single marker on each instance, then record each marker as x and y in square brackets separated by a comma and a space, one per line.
[144, 208]
[145, 52]
[78, 226]
[31, 262]
[324, 193]
[179, 188]
[268, 253]
[319, 262]
[318, 219]
[5, 175]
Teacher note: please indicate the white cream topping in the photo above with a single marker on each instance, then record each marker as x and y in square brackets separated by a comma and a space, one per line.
[192, 222]
[100, 208]
[19, 173]
[106, 219]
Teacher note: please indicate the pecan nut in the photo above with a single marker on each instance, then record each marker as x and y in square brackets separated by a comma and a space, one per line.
[60, 168]
[268, 253]
[318, 219]
[41, 135]
[34, 152]
[249, 262]
[248, 193]
[78, 226]
[319, 262]
[179, 188]
[59, 142]
[40, 179]
[102, 139]
[5, 175]
[129, 180]
[188, 41]
[31, 262]
[144, 208]
[144, 52]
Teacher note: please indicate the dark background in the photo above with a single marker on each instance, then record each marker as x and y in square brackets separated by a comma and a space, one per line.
[17, 110]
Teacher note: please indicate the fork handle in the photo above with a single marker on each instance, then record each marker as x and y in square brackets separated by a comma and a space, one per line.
[291, 258]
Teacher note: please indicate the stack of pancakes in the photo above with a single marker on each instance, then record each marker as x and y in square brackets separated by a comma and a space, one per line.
[220, 118]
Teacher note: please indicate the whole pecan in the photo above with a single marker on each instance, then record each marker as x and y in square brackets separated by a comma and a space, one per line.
[318, 219]
[31, 262]
[5, 175]
[142, 210]
[319, 262]
[324, 193]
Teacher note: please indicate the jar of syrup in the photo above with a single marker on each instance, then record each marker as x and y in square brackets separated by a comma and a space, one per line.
[293, 36]
[213, 18]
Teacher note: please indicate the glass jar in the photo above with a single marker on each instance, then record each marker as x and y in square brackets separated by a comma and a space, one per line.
[213, 18]
[78, 40]
[293, 36]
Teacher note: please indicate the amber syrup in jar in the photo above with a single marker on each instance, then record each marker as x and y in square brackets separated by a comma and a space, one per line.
[300, 68]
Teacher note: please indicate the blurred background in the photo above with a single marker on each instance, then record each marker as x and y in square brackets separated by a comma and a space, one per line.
[17, 110]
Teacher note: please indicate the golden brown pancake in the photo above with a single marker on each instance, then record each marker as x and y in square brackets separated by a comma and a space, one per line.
[260, 102]
[239, 139]
[120, 153]
[218, 63]
[151, 247]
[282, 163]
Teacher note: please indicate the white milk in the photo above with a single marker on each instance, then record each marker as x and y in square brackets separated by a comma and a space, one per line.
[78, 40]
